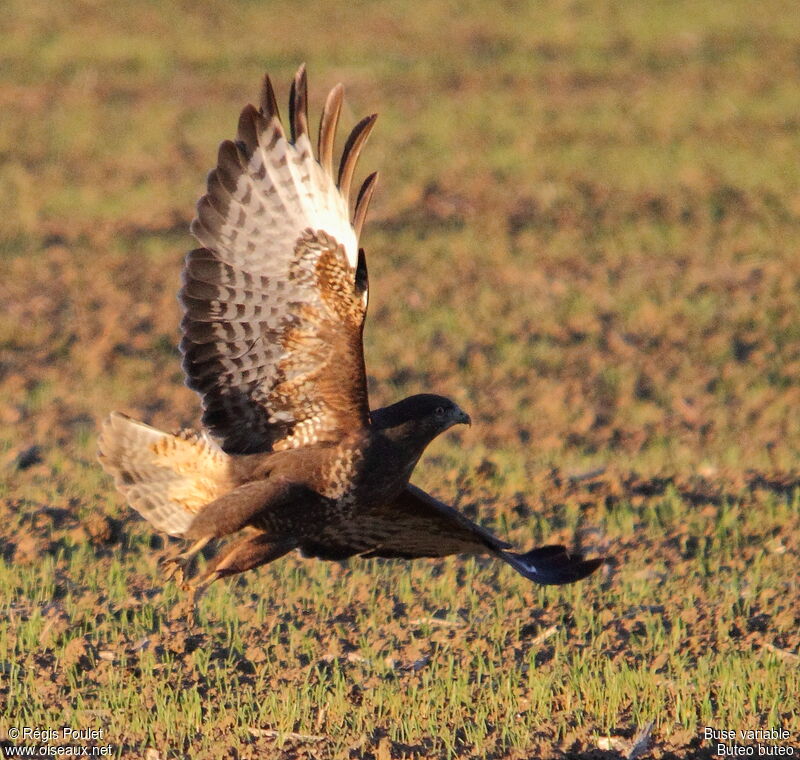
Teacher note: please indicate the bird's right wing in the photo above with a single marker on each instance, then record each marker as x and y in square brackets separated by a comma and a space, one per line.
[275, 300]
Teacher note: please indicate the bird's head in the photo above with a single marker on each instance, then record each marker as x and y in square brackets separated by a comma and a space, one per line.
[421, 417]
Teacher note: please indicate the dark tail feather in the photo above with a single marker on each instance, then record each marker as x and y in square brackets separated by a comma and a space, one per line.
[552, 565]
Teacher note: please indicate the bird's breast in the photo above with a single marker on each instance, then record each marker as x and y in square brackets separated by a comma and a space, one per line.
[363, 474]
[343, 472]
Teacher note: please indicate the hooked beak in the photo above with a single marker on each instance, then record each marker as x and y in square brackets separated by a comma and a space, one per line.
[463, 418]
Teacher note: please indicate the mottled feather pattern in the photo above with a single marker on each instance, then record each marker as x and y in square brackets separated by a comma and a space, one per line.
[342, 471]
[322, 352]
[166, 478]
[273, 312]
[335, 279]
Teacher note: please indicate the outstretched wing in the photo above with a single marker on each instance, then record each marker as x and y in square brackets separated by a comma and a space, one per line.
[413, 525]
[275, 300]
[417, 525]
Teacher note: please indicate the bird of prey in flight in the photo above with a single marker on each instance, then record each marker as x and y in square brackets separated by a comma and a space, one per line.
[291, 455]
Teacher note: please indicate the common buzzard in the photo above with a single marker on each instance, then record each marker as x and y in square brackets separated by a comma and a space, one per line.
[274, 306]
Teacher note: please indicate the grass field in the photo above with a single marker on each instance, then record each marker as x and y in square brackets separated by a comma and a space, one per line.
[586, 232]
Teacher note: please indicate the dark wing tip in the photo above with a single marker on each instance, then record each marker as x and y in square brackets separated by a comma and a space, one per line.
[362, 202]
[298, 104]
[352, 149]
[268, 102]
[251, 124]
[327, 128]
[552, 565]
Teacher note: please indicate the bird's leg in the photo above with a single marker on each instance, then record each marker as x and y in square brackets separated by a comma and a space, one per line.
[179, 564]
[246, 554]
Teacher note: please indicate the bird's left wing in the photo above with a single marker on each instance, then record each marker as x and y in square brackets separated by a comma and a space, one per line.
[417, 525]
[275, 300]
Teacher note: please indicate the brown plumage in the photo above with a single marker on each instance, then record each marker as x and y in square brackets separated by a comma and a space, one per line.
[274, 308]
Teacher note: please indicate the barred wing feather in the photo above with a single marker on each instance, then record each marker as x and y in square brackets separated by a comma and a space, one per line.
[275, 299]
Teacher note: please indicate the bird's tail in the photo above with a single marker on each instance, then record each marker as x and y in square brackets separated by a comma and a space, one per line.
[166, 478]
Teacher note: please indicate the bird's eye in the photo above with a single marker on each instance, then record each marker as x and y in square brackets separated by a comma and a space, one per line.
[439, 411]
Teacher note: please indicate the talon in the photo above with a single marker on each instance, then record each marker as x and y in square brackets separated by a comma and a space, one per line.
[177, 567]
